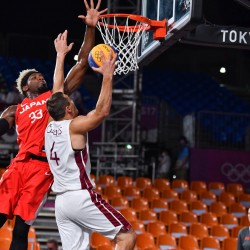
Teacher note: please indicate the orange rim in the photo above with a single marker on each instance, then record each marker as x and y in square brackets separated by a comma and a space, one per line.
[159, 27]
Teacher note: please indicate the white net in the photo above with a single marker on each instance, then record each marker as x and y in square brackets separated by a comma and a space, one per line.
[125, 40]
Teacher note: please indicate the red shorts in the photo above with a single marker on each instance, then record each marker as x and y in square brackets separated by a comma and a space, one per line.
[24, 188]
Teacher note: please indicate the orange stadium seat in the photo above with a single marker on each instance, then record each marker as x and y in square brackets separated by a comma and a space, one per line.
[210, 242]
[143, 182]
[96, 240]
[6, 232]
[119, 202]
[198, 186]
[244, 199]
[208, 197]
[235, 188]
[235, 231]
[177, 229]
[106, 180]
[220, 232]
[32, 245]
[32, 235]
[188, 242]
[129, 214]
[112, 191]
[244, 221]
[93, 178]
[161, 184]
[188, 196]
[180, 185]
[150, 193]
[227, 198]
[229, 220]
[145, 240]
[188, 218]
[131, 193]
[147, 216]
[170, 195]
[168, 217]
[124, 181]
[139, 204]
[156, 228]
[178, 206]
[229, 244]
[237, 209]
[105, 247]
[6, 225]
[216, 187]
[38, 246]
[166, 241]
[219, 208]
[198, 207]
[199, 230]
[5, 243]
[209, 219]
[138, 226]
[159, 205]
[98, 189]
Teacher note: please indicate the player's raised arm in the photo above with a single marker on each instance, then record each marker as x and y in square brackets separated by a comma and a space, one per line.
[83, 124]
[76, 74]
[61, 51]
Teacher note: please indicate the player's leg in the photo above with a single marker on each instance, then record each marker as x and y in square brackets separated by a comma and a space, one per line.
[94, 213]
[20, 235]
[71, 234]
[125, 240]
[3, 218]
[86, 239]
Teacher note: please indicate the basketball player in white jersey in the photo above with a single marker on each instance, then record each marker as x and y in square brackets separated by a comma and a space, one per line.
[78, 207]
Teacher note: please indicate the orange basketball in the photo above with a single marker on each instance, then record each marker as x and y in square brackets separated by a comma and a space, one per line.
[94, 58]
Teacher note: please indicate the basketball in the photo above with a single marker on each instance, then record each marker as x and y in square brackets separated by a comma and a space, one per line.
[94, 58]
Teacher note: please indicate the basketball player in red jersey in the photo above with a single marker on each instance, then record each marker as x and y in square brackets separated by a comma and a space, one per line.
[25, 184]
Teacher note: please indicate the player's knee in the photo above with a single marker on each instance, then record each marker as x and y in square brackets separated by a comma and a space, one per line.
[133, 238]
[126, 239]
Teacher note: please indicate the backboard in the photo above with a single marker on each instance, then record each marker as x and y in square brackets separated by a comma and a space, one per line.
[182, 16]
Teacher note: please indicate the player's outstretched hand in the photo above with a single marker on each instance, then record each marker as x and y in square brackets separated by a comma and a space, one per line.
[108, 64]
[61, 44]
[93, 14]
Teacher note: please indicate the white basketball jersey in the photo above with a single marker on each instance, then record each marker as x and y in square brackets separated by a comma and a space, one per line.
[70, 168]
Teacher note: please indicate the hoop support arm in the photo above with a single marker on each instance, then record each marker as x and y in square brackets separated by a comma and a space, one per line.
[159, 28]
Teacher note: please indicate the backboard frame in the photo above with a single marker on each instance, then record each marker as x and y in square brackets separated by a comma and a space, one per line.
[176, 30]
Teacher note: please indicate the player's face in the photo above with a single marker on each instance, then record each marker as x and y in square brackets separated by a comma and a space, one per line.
[51, 246]
[73, 107]
[37, 84]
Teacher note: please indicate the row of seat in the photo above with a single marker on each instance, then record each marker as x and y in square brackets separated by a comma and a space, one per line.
[163, 184]
[147, 240]
[184, 221]
[212, 213]
[151, 197]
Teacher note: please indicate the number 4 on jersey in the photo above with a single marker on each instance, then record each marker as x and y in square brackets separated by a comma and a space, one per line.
[54, 158]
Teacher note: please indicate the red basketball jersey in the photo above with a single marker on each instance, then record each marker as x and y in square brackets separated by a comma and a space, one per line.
[31, 121]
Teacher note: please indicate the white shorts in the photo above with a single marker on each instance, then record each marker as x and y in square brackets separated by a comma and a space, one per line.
[85, 211]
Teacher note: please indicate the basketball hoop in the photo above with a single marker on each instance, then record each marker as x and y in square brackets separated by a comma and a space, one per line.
[123, 32]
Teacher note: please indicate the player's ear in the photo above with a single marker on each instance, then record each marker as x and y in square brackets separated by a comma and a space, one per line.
[68, 109]
[25, 88]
